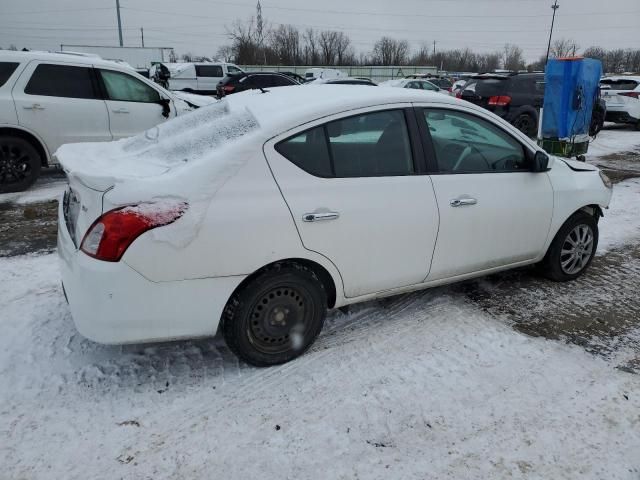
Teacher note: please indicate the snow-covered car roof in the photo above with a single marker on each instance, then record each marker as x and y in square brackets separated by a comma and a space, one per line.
[60, 57]
[283, 108]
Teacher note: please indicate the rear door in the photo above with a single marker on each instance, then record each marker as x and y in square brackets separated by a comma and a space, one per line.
[352, 185]
[208, 77]
[494, 211]
[61, 103]
[133, 105]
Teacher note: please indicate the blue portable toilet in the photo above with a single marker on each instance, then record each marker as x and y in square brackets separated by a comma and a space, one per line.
[571, 90]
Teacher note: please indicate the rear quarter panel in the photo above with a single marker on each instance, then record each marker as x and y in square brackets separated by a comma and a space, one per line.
[247, 225]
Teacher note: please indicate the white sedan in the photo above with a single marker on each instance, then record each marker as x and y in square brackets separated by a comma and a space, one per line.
[258, 213]
[416, 84]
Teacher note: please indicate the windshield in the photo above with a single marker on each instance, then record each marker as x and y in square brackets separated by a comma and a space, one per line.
[622, 84]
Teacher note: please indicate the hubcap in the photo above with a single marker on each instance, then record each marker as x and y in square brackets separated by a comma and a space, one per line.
[15, 164]
[576, 250]
[278, 321]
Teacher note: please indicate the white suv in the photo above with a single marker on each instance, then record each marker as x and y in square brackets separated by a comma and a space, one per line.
[622, 95]
[49, 99]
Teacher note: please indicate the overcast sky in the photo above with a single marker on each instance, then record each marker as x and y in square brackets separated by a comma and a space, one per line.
[198, 26]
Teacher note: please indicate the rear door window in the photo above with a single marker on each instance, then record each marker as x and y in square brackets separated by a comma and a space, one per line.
[62, 81]
[369, 145]
[125, 88]
[6, 70]
[209, 71]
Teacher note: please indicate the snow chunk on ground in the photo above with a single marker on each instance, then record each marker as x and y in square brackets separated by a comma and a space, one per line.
[619, 225]
[427, 387]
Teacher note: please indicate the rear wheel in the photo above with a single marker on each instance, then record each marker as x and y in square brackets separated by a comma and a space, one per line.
[526, 124]
[20, 164]
[573, 248]
[276, 316]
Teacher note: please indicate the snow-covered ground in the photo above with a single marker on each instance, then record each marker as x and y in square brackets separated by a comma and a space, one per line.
[424, 386]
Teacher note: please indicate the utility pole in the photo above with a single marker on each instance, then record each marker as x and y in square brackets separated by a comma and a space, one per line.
[119, 22]
[555, 7]
[142, 35]
[434, 48]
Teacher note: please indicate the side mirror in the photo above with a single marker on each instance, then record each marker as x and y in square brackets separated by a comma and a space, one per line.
[166, 106]
[540, 162]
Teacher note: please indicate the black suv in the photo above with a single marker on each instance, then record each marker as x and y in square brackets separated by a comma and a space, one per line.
[249, 81]
[518, 98]
[515, 97]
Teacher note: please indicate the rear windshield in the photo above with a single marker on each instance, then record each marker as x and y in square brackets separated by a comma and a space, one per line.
[615, 84]
[6, 70]
[486, 87]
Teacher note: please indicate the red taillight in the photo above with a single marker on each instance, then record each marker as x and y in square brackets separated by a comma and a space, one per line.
[228, 88]
[459, 94]
[450, 89]
[631, 94]
[500, 101]
[111, 234]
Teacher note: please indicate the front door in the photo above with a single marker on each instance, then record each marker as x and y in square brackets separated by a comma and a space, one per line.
[493, 210]
[133, 105]
[352, 189]
[61, 103]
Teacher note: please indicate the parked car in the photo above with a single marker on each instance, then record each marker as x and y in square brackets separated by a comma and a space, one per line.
[457, 87]
[201, 78]
[518, 98]
[622, 95]
[295, 76]
[253, 80]
[303, 199]
[48, 99]
[416, 84]
[326, 73]
[443, 83]
[342, 81]
[515, 97]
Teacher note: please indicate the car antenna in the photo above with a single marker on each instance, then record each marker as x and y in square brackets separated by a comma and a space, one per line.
[263, 90]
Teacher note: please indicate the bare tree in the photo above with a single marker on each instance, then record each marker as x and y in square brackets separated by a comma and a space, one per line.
[310, 49]
[512, 58]
[225, 53]
[186, 57]
[564, 47]
[245, 42]
[13, 47]
[284, 42]
[333, 47]
[389, 51]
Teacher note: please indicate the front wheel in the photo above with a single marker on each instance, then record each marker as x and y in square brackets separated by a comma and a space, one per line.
[572, 249]
[276, 316]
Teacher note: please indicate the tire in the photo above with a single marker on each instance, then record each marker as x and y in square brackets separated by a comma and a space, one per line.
[526, 124]
[572, 249]
[20, 164]
[275, 317]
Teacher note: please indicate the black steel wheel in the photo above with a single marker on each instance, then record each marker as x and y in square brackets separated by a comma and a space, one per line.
[526, 124]
[276, 316]
[19, 164]
[572, 249]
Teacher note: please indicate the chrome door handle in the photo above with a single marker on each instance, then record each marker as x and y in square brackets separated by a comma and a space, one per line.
[320, 217]
[35, 106]
[120, 110]
[463, 202]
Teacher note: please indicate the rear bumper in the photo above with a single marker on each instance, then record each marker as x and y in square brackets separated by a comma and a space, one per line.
[620, 115]
[112, 303]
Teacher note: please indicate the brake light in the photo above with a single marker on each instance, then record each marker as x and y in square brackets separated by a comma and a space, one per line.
[631, 94]
[459, 94]
[499, 101]
[110, 235]
[228, 88]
